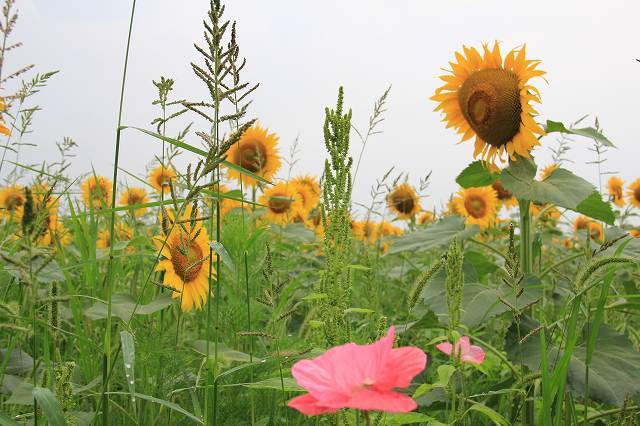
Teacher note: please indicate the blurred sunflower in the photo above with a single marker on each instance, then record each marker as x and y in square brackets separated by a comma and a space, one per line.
[185, 263]
[134, 196]
[365, 231]
[596, 232]
[309, 190]
[580, 223]
[477, 205]
[486, 97]
[403, 201]
[635, 233]
[12, 202]
[55, 232]
[227, 204]
[283, 203]
[3, 129]
[160, 177]
[633, 193]
[548, 170]
[505, 197]
[615, 185]
[385, 230]
[123, 233]
[426, 216]
[550, 211]
[257, 152]
[96, 192]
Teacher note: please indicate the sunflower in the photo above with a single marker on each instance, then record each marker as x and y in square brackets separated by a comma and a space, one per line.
[133, 196]
[283, 203]
[56, 231]
[615, 190]
[550, 211]
[505, 197]
[12, 202]
[185, 262]
[256, 151]
[226, 204]
[3, 129]
[403, 201]
[309, 190]
[489, 99]
[426, 216]
[123, 233]
[385, 230]
[548, 171]
[634, 193]
[96, 192]
[596, 232]
[365, 231]
[580, 223]
[160, 177]
[635, 233]
[477, 205]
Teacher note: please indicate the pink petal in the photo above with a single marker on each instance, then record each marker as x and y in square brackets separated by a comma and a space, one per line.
[475, 355]
[445, 347]
[463, 346]
[391, 402]
[403, 365]
[310, 406]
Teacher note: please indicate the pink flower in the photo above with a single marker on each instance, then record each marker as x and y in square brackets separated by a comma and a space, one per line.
[358, 376]
[464, 349]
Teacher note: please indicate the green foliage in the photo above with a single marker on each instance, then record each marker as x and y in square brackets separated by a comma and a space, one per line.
[588, 132]
[476, 174]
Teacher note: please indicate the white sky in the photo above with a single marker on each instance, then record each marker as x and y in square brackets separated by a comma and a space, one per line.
[301, 51]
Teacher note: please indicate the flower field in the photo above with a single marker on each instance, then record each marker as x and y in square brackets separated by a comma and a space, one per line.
[221, 286]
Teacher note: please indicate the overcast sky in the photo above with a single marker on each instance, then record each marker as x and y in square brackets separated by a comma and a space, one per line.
[301, 51]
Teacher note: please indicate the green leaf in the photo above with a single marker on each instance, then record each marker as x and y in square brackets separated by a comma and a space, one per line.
[129, 361]
[226, 355]
[444, 374]
[433, 236]
[398, 419]
[358, 311]
[122, 306]
[476, 174]
[588, 132]
[7, 421]
[315, 296]
[217, 247]
[169, 405]
[494, 416]
[50, 406]
[594, 207]
[615, 368]
[21, 394]
[274, 383]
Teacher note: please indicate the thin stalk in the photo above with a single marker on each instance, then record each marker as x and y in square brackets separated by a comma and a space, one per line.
[107, 333]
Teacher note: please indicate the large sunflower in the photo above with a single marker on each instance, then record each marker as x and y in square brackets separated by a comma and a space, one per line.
[634, 193]
[283, 203]
[12, 202]
[403, 201]
[133, 196]
[505, 197]
[486, 97]
[96, 192]
[615, 190]
[160, 177]
[186, 260]
[257, 152]
[477, 205]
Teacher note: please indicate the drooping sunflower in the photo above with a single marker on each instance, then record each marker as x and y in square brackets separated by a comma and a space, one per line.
[403, 201]
[633, 193]
[160, 176]
[185, 263]
[133, 196]
[11, 202]
[505, 197]
[486, 97]
[3, 129]
[548, 170]
[580, 223]
[123, 233]
[309, 189]
[426, 216]
[615, 185]
[477, 205]
[96, 192]
[257, 152]
[283, 203]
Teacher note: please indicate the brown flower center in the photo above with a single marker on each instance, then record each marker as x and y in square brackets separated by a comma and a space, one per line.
[279, 203]
[475, 206]
[636, 194]
[502, 193]
[490, 102]
[187, 259]
[251, 156]
[403, 202]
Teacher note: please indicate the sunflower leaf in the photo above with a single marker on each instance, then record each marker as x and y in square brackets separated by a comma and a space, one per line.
[433, 236]
[476, 174]
[587, 132]
[594, 207]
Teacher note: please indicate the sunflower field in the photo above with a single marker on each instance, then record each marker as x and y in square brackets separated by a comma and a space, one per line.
[231, 291]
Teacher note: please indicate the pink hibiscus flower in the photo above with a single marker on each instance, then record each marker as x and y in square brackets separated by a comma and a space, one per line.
[464, 349]
[358, 376]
